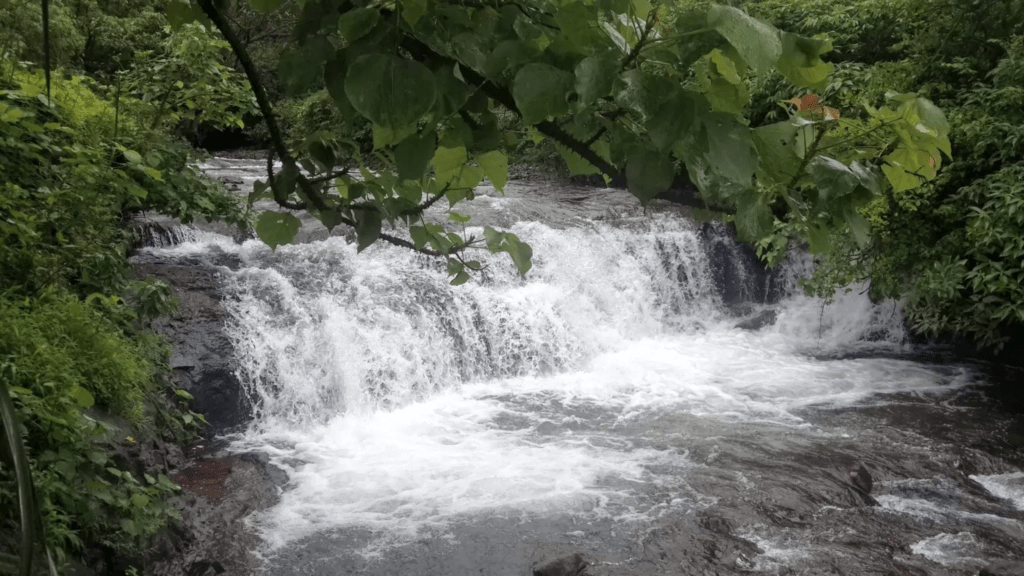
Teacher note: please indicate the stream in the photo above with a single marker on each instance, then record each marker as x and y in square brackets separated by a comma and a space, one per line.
[606, 405]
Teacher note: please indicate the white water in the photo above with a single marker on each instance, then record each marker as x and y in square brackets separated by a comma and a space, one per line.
[400, 404]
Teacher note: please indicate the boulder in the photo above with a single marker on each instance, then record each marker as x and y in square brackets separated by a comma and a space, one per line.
[573, 565]
[758, 321]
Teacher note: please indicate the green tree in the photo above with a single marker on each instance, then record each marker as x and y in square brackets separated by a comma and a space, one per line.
[646, 95]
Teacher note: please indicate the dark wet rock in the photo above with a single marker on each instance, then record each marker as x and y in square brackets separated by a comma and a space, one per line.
[1003, 568]
[861, 478]
[203, 356]
[217, 493]
[573, 565]
[159, 231]
[758, 321]
[547, 428]
[737, 272]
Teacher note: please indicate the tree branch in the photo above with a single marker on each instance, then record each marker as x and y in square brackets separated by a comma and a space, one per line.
[263, 101]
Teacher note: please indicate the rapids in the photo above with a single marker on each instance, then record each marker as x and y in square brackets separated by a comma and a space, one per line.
[606, 404]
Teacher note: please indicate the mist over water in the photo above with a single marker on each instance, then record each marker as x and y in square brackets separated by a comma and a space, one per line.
[606, 404]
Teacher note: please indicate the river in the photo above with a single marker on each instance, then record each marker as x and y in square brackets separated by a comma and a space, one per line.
[606, 405]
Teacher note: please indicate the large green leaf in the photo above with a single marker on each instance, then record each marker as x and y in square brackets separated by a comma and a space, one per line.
[413, 155]
[801, 61]
[520, 252]
[448, 163]
[675, 119]
[757, 42]
[355, 23]
[507, 54]
[495, 166]
[859, 226]
[579, 24]
[648, 173]
[300, 69]
[277, 228]
[776, 146]
[724, 95]
[368, 226]
[731, 152]
[832, 178]
[390, 91]
[754, 218]
[334, 79]
[595, 76]
[541, 90]
[412, 10]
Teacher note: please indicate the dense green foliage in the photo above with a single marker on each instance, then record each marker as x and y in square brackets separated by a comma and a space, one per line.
[87, 376]
[644, 95]
[952, 249]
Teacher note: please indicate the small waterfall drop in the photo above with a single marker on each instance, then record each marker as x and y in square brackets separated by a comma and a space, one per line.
[607, 403]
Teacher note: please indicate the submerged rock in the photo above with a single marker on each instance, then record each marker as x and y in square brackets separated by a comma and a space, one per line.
[758, 321]
[566, 566]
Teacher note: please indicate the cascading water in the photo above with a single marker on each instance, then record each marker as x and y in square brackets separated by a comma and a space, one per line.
[605, 404]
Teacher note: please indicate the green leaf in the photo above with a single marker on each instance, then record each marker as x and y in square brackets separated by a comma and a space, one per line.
[448, 163]
[832, 178]
[776, 144]
[675, 118]
[731, 152]
[301, 68]
[277, 228]
[540, 91]
[82, 396]
[413, 155]
[458, 217]
[413, 10]
[859, 226]
[818, 239]
[460, 278]
[723, 95]
[356, 23]
[453, 91]
[754, 218]
[575, 163]
[334, 79]
[900, 179]
[521, 253]
[419, 236]
[132, 156]
[595, 76]
[578, 23]
[726, 67]
[758, 43]
[495, 167]
[183, 394]
[507, 54]
[648, 173]
[392, 92]
[801, 61]
[368, 226]
[140, 500]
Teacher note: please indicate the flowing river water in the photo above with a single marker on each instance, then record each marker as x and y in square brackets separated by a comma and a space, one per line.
[605, 405]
